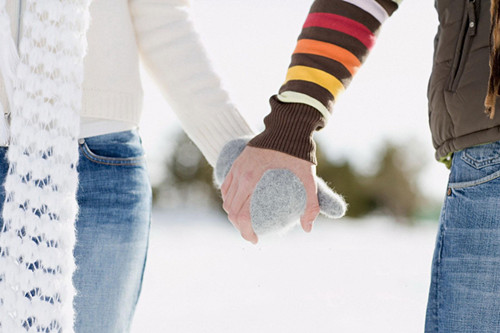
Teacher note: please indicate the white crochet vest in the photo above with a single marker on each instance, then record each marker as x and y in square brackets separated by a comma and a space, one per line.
[44, 86]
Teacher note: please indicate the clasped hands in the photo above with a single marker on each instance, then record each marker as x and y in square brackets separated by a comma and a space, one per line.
[266, 191]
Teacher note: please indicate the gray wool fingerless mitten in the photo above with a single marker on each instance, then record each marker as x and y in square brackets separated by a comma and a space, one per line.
[279, 198]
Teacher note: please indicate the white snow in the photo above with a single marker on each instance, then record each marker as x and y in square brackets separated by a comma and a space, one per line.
[350, 276]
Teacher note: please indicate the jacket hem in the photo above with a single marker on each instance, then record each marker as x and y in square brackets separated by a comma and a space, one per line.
[466, 141]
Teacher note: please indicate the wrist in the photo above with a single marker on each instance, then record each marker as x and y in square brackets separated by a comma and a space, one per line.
[289, 129]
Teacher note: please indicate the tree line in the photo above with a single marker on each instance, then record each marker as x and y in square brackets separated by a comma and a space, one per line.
[390, 189]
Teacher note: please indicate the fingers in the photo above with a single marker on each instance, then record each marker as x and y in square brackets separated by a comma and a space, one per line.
[227, 183]
[237, 198]
[245, 223]
[238, 212]
[312, 205]
[236, 194]
[226, 205]
[237, 207]
[232, 191]
[240, 218]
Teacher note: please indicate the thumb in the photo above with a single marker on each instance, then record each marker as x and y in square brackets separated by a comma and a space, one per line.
[312, 205]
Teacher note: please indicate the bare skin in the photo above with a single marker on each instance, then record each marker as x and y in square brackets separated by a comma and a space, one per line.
[246, 173]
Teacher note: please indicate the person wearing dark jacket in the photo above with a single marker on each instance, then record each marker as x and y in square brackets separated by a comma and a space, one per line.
[334, 42]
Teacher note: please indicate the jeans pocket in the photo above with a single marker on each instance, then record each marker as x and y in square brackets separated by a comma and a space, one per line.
[475, 165]
[120, 148]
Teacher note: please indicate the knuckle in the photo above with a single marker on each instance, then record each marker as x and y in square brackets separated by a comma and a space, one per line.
[242, 220]
[247, 177]
[246, 217]
[244, 225]
[236, 167]
[231, 217]
[312, 212]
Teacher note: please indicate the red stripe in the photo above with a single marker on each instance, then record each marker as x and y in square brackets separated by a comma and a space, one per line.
[342, 24]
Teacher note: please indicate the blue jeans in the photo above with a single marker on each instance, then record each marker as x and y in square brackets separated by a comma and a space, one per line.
[112, 230]
[464, 294]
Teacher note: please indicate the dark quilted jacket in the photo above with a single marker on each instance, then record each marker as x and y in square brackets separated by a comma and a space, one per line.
[459, 78]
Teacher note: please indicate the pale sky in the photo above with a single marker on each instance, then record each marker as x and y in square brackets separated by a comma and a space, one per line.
[250, 43]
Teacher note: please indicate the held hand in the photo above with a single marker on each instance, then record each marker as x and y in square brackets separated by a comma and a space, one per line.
[246, 172]
[266, 191]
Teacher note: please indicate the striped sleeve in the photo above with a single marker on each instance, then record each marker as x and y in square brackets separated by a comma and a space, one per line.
[335, 40]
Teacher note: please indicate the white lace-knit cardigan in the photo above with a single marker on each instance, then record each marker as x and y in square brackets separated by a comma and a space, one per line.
[37, 240]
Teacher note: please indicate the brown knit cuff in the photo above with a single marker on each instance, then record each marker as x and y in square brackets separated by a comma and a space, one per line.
[289, 129]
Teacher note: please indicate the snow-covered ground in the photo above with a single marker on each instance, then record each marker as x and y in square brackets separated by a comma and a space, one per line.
[346, 276]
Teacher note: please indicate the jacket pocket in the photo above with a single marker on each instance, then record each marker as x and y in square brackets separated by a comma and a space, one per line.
[467, 32]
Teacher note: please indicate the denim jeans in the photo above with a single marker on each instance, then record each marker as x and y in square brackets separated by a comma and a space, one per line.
[464, 294]
[112, 230]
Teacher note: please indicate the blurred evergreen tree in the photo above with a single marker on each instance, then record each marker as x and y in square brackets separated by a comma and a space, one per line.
[394, 184]
[391, 190]
[189, 177]
[346, 181]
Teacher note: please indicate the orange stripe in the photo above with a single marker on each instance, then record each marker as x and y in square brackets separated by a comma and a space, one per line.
[331, 51]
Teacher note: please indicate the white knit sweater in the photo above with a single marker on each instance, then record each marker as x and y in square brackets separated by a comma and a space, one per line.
[44, 79]
[159, 32]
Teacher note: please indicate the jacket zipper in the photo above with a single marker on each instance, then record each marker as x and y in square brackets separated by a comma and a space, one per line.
[467, 33]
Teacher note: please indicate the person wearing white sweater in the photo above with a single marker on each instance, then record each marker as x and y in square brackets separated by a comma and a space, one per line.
[160, 34]
[114, 194]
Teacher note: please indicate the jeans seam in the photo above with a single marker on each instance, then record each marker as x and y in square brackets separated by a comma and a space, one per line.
[480, 181]
[438, 278]
[145, 258]
[439, 263]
